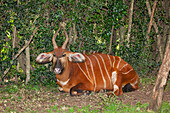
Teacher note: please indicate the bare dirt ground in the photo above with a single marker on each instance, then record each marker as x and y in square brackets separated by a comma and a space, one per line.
[43, 99]
[142, 95]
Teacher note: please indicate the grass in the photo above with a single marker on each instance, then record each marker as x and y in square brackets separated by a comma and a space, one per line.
[35, 98]
[114, 107]
[165, 107]
[147, 80]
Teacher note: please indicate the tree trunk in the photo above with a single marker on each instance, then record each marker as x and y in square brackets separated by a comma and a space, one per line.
[13, 47]
[27, 63]
[130, 23]
[157, 96]
[22, 62]
[122, 30]
[122, 33]
[166, 38]
[21, 58]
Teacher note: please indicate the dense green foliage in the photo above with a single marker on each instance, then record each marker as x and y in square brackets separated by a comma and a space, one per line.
[93, 21]
[89, 25]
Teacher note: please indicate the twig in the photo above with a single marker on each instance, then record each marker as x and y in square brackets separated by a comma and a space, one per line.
[156, 30]
[111, 38]
[151, 19]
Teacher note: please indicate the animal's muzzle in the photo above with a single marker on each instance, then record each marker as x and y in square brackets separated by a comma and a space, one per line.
[58, 69]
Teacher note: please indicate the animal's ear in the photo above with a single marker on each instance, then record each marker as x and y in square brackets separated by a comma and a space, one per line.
[76, 57]
[44, 58]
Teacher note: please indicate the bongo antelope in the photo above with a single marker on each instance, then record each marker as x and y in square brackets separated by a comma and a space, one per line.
[76, 72]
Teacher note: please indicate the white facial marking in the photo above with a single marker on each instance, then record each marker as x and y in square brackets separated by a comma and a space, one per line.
[115, 88]
[114, 77]
[63, 83]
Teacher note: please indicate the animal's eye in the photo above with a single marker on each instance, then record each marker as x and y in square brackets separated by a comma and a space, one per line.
[63, 55]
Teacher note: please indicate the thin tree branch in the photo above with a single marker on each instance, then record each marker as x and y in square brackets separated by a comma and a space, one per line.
[111, 38]
[151, 19]
[157, 31]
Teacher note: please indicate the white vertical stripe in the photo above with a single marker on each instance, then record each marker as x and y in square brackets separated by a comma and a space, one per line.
[109, 60]
[93, 73]
[87, 71]
[118, 62]
[83, 72]
[114, 62]
[123, 66]
[101, 72]
[106, 69]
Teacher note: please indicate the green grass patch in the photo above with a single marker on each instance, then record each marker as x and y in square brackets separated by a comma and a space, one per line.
[118, 107]
[165, 107]
[147, 80]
